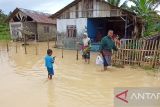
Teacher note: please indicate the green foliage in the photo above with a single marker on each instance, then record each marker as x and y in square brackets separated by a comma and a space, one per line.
[4, 27]
[119, 3]
[147, 10]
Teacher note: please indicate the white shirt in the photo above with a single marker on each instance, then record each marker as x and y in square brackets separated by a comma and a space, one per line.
[86, 41]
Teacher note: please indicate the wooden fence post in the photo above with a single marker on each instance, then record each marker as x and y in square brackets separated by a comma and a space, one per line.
[36, 49]
[7, 47]
[156, 52]
[62, 51]
[25, 47]
[16, 48]
[77, 55]
[142, 51]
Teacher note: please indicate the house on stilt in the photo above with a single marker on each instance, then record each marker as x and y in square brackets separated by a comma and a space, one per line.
[38, 25]
[95, 17]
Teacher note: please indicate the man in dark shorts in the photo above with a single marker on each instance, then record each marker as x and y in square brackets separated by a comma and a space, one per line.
[106, 47]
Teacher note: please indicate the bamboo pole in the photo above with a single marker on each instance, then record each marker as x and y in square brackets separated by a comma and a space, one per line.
[25, 47]
[48, 41]
[62, 48]
[132, 52]
[136, 52]
[147, 52]
[7, 47]
[122, 56]
[129, 52]
[142, 52]
[155, 54]
[77, 57]
[125, 52]
[62, 52]
[36, 49]
[16, 48]
[154, 43]
[139, 51]
[136, 56]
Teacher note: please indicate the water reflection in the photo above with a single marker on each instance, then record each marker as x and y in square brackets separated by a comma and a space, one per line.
[75, 84]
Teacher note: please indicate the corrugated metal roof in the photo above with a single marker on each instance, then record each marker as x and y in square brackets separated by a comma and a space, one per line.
[39, 17]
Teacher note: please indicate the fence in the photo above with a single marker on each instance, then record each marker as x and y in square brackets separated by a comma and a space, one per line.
[140, 52]
[132, 52]
[67, 42]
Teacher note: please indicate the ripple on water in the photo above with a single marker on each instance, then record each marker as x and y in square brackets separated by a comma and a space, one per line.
[75, 83]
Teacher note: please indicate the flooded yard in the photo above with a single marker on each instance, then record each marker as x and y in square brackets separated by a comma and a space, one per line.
[23, 79]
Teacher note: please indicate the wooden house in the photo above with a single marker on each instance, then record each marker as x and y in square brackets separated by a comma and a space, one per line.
[95, 17]
[36, 25]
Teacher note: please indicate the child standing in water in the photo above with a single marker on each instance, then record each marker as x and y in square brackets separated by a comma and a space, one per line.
[49, 60]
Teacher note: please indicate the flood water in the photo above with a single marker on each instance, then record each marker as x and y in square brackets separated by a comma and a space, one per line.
[23, 79]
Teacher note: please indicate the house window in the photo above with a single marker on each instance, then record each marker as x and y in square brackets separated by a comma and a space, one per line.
[46, 29]
[71, 30]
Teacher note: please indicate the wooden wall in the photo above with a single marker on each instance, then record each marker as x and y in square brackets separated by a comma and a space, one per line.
[90, 8]
[30, 26]
[42, 36]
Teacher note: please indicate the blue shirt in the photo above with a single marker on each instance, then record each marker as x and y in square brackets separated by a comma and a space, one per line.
[49, 61]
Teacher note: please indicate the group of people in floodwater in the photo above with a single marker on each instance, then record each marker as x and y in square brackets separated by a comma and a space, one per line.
[106, 46]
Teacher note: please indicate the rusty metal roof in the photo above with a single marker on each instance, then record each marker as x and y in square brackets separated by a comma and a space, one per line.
[38, 17]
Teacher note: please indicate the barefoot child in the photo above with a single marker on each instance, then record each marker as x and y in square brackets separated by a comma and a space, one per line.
[49, 60]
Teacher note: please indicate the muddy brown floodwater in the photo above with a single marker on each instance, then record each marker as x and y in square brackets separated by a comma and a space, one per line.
[23, 79]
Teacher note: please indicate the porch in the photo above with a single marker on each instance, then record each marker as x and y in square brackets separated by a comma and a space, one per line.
[97, 28]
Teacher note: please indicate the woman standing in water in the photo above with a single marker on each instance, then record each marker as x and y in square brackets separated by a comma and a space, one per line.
[106, 47]
[86, 45]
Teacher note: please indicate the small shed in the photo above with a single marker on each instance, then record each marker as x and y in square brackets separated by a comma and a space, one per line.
[40, 26]
[95, 17]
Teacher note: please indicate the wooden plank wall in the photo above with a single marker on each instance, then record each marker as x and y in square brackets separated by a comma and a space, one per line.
[90, 8]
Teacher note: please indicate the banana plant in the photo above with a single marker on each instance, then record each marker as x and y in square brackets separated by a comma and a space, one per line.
[147, 10]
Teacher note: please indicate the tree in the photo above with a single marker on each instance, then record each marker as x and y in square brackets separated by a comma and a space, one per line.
[147, 10]
[119, 3]
[144, 7]
[4, 27]
[2, 16]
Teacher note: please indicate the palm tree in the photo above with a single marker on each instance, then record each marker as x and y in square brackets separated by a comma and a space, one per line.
[144, 7]
[119, 3]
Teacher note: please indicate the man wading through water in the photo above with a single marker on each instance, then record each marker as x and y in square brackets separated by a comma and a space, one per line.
[106, 47]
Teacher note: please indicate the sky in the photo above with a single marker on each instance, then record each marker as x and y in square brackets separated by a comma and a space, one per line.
[47, 6]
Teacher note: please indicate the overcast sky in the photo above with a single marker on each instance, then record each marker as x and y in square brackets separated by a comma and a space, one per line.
[47, 6]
